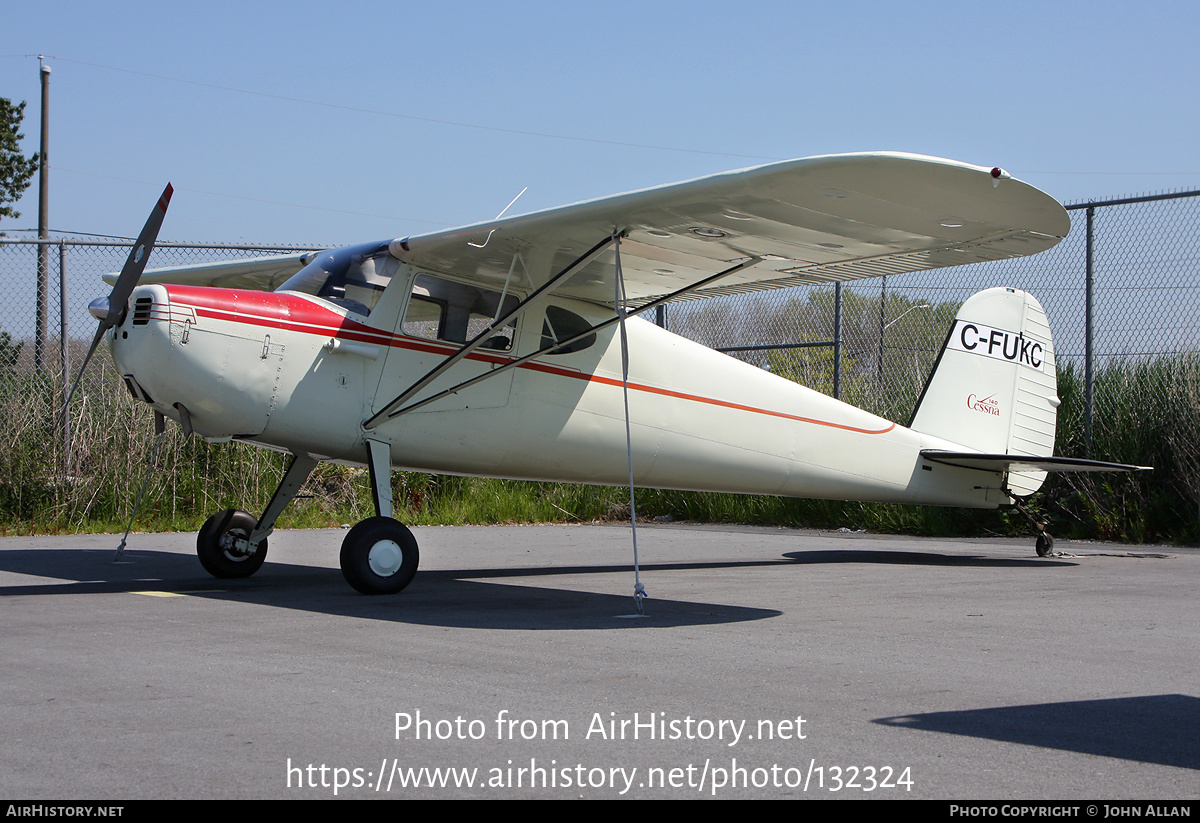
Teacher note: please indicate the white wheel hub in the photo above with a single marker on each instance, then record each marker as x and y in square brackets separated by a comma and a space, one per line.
[385, 558]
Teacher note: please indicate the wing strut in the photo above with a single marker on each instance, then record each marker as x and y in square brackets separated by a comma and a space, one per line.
[512, 364]
[388, 411]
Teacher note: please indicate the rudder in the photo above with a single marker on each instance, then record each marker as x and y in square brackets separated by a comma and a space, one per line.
[994, 387]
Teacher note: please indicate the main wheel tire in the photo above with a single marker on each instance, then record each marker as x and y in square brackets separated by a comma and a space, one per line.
[1044, 545]
[215, 545]
[379, 556]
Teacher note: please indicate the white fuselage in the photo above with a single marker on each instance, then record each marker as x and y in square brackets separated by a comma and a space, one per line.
[298, 373]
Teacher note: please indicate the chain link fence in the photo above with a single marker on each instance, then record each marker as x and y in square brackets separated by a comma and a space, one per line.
[1122, 292]
[88, 472]
[75, 268]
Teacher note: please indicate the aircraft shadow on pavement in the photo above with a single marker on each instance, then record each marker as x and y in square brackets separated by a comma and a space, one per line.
[1161, 729]
[906, 558]
[460, 598]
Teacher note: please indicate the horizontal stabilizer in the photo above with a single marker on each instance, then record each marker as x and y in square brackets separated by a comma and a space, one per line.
[1025, 463]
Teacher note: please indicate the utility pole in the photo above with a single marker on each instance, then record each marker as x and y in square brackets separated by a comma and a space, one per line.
[43, 259]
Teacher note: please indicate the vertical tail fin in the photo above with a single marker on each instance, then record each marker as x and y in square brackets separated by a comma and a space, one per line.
[994, 387]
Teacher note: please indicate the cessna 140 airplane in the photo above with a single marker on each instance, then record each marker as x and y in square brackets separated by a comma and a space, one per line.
[497, 349]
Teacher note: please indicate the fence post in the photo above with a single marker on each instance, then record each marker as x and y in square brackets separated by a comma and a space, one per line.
[64, 344]
[1089, 296]
[879, 359]
[837, 341]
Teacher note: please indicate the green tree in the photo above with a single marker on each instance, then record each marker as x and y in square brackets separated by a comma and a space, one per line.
[15, 170]
[10, 352]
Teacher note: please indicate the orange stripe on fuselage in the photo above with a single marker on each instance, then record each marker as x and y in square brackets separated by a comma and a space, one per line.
[293, 313]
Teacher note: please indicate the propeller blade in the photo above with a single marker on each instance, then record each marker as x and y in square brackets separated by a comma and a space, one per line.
[75, 384]
[131, 272]
[135, 264]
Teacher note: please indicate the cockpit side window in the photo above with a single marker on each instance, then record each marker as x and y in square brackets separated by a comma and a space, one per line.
[561, 324]
[456, 312]
[353, 277]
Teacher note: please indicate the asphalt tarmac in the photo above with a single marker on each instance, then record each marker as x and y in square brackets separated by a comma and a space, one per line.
[769, 663]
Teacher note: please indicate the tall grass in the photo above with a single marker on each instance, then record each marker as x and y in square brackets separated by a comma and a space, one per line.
[112, 445]
[1147, 413]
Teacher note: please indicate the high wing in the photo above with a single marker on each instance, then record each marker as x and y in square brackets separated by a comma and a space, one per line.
[799, 222]
[815, 220]
[258, 273]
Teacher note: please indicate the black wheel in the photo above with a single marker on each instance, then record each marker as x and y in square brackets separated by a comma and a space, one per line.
[1045, 544]
[215, 545]
[379, 556]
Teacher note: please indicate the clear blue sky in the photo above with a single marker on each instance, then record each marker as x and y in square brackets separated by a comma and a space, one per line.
[349, 134]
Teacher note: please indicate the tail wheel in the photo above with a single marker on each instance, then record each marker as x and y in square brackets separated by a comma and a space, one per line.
[216, 545]
[379, 556]
[1044, 545]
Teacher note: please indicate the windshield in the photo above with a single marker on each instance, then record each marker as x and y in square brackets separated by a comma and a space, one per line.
[352, 277]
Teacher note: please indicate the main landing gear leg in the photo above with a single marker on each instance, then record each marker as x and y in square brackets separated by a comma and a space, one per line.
[379, 555]
[233, 543]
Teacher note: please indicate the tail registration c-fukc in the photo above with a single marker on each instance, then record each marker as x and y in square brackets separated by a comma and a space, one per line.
[496, 349]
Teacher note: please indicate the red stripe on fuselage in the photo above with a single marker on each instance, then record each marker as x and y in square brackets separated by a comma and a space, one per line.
[294, 313]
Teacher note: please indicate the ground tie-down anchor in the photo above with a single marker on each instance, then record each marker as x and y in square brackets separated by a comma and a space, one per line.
[160, 426]
[619, 301]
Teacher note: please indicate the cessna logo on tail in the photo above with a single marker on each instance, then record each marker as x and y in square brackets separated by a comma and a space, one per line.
[977, 338]
[987, 405]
